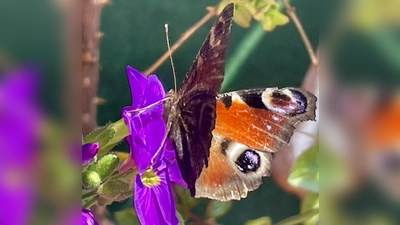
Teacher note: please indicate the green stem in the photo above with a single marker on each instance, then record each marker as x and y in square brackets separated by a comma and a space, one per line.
[90, 203]
[89, 194]
[299, 218]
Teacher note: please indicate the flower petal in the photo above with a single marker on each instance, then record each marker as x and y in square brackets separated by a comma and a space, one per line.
[146, 136]
[154, 93]
[173, 169]
[20, 125]
[88, 218]
[137, 84]
[89, 150]
[155, 205]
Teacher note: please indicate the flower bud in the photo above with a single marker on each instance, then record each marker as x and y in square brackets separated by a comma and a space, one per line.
[106, 165]
[91, 179]
[114, 190]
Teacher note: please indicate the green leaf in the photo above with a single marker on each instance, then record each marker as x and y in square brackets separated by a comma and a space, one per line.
[259, 6]
[310, 202]
[300, 218]
[108, 136]
[265, 11]
[334, 170]
[242, 15]
[305, 171]
[271, 18]
[216, 208]
[260, 221]
[181, 220]
[126, 217]
[185, 199]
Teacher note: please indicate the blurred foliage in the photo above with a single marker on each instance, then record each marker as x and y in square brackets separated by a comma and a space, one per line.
[267, 12]
[216, 209]
[305, 175]
[305, 171]
[310, 202]
[259, 221]
[369, 15]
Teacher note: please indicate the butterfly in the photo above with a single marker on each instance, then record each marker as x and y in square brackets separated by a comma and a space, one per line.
[224, 142]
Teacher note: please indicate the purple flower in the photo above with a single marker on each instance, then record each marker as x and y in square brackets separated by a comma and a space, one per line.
[20, 121]
[89, 150]
[153, 156]
[88, 218]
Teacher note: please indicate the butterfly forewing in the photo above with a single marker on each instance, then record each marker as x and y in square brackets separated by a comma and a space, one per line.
[191, 112]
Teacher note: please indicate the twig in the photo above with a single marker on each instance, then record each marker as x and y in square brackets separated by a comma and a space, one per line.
[91, 10]
[181, 40]
[291, 12]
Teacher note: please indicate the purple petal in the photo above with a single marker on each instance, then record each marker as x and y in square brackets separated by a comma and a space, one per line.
[20, 121]
[173, 169]
[88, 218]
[89, 150]
[146, 137]
[19, 86]
[154, 93]
[155, 205]
[137, 84]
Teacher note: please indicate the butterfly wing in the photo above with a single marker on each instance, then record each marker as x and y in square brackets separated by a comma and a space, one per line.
[192, 113]
[251, 125]
[264, 118]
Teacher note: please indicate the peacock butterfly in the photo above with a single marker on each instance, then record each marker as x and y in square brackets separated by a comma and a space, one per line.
[224, 142]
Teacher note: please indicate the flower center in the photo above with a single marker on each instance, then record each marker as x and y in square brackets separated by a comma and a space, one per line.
[150, 178]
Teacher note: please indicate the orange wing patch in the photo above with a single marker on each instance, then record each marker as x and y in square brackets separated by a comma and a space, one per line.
[219, 170]
[257, 128]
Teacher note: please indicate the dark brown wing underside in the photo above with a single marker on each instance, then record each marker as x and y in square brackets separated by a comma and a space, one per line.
[191, 113]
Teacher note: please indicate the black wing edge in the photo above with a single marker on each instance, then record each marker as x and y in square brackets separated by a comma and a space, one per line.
[206, 76]
[206, 60]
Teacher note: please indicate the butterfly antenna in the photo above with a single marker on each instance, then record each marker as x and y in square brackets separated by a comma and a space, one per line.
[159, 149]
[170, 56]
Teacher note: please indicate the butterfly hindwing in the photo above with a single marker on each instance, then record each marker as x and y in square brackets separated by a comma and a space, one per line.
[191, 111]
[264, 118]
[251, 125]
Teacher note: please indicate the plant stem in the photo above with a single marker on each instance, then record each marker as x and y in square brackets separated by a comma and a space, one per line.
[181, 40]
[90, 203]
[91, 10]
[89, 194]
[291, 13]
